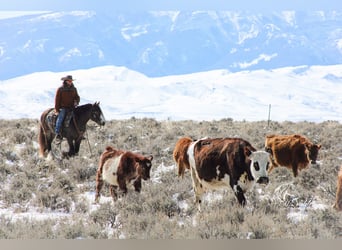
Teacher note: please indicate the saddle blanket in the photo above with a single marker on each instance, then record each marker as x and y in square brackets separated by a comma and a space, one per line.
[52, 118]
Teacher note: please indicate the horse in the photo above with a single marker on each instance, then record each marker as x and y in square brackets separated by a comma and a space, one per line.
[73, 132]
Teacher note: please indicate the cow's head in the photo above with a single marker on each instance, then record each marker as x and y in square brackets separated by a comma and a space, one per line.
[145, 166]
[260, 162]
[313, 152]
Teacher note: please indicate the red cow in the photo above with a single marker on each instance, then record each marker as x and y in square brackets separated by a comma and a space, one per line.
[223, 162]
[180, 155]
[338, 202]
[292, 151]
[119, 168]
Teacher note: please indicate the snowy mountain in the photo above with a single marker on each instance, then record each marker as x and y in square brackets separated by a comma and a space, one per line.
[310, 93]
[161, 43]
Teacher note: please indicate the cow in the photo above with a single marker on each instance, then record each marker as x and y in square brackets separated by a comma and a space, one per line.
[222, 162]
[338, 202]
[180, 155]
[120, 168]
[294, 151]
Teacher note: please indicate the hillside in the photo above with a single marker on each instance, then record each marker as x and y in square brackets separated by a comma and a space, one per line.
[295, 94]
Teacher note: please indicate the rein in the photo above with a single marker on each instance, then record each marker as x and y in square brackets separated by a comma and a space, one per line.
[91, 153]
[81, 133]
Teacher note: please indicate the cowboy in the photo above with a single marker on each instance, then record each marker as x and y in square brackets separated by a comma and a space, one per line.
[66, 99]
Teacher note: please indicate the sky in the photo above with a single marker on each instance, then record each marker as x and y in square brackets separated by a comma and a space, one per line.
[260, 5]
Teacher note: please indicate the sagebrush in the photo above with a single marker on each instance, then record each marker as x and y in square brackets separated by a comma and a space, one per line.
[165, 207]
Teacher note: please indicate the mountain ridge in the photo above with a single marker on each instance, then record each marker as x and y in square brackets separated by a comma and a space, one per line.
[160, 43]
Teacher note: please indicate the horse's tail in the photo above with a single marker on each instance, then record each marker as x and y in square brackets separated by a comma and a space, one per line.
[42, 140]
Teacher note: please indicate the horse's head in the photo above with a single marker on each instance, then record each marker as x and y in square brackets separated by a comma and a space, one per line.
[97, 115]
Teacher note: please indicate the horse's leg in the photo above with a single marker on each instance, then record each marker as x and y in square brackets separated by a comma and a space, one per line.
[45, 137]
[77, 146]
[71, 147]
[49, 139]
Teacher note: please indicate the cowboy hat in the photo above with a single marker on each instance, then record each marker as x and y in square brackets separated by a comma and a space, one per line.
[68, 77]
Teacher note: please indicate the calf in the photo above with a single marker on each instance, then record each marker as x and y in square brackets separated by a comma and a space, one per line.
[223, 162]
[338, 202]
[180, 155]
[292, 151]
[119, 168]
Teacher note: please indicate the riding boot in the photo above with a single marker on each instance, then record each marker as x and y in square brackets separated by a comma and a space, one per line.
[59, 122]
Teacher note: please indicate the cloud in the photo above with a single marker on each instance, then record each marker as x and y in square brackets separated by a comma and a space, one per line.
[69, 54]
[262, 57]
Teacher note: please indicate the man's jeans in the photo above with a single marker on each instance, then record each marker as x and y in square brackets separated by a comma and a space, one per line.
[60, 119]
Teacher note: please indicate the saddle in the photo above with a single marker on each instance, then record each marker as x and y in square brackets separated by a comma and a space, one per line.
[52, 118]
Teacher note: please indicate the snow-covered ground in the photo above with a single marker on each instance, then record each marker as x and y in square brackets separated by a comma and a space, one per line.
[292, 93]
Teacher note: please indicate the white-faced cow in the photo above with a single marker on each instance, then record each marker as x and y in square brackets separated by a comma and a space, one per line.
[338, 202]
[223, 162]
[180, 155]
[120, 168]
[292, 151]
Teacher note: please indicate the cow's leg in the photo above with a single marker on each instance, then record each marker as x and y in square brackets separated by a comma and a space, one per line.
[122, 184]
[198, 189]
[137, 184]
[99, 185]
[295, 169]
[113, 192]
[272, 166]
[239, 194]
[338, 201]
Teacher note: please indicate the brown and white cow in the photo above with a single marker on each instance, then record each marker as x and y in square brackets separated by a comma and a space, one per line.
[292, 151]
[338, 202]
[180, 155]
[120, 168]
[223, 162]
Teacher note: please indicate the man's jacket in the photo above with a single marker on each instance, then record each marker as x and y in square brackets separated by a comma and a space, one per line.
[66, 97]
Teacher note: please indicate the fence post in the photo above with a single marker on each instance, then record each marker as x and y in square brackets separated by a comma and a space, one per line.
[269, 115]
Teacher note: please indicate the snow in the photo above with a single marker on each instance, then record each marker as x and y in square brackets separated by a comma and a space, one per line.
[292, 93]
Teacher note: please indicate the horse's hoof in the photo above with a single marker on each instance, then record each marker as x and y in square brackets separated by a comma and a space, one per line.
[58, 139]
[65, 155]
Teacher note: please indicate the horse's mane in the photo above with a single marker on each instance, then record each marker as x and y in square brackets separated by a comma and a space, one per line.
[82, 108]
